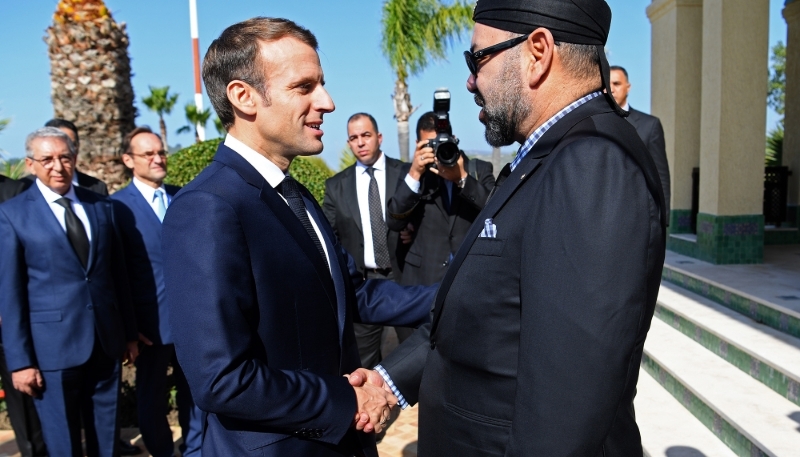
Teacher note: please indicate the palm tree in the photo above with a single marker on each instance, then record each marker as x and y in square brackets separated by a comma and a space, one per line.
[160, 101]
[416, 32]
[346, 158]
[195, 118]
[220, 128]
[90, 75]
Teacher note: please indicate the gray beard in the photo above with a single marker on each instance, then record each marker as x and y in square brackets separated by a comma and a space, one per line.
[507, 110]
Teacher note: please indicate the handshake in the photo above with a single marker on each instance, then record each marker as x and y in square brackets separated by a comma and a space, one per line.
[375, 400]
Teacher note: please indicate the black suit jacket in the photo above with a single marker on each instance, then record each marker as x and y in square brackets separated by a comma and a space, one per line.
[650, 131]
[84, 180]
[10, 188]
[438, 233]
[537, 334]
[341, 208]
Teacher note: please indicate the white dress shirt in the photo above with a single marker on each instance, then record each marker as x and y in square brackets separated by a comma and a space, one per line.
[149, 194]
[60, 212]
[274, 177]
[362, 191]
[414, 185]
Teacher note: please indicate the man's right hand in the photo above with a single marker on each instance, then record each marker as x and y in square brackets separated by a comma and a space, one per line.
[374, 407]
[28, 381]
[423, 156]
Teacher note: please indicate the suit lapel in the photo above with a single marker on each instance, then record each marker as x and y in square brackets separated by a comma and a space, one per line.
[91, 214]
[142, 206]
[49, 220]
[350, 191]
[501, 195]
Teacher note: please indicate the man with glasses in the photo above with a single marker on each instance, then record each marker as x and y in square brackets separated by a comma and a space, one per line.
[140, 208]
[67, 316]
[538, 326]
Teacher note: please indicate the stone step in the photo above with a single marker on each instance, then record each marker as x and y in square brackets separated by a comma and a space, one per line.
[764, 353]
[783, 316]
[746, 415]
[668, 429]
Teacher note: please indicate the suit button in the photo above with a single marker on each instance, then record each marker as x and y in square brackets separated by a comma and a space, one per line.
[88, 279]
[433, 344]
[446, 262]
[89, 307]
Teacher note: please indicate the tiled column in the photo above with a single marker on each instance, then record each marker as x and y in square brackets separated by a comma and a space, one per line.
[791, 139]
[676, 61]
[730, 226]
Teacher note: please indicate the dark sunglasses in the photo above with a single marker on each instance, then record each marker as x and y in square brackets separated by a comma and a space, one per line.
[473, 57]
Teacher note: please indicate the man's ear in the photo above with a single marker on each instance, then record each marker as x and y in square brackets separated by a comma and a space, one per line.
[243, 97]
[127, 159]
[537, 55]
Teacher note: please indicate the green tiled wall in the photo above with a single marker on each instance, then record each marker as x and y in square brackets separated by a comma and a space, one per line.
[680, 221]
[781, 237]
[754, 310]
[770, 376]
[729, 435]
[730, 239]
[683, 247]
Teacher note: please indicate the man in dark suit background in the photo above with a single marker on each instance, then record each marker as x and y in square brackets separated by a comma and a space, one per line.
[359, 218]
[67, 318]
[78, 178]
[438, 205]
[648, 127]
[539, 325]
[21, 411]
[261, 295]
[140, 208]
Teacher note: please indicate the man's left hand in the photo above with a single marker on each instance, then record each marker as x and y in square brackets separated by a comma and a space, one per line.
[131, 353]
[455, 173]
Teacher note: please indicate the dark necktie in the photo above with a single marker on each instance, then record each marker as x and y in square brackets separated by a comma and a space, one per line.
[76, 232]
[379, 229]
[500, 178]
[291, 192]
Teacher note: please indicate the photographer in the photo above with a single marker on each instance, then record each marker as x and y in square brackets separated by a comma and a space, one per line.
[437, 204]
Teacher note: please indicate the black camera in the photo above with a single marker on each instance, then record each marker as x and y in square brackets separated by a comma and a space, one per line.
[445, 145]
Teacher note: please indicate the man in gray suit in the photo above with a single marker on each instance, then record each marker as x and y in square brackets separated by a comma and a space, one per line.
[648, 127]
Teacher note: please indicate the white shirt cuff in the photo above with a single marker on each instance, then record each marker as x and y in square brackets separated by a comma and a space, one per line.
[412, 184]
[400, 399]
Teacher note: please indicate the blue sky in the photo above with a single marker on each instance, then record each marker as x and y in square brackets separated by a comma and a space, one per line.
[357, 75]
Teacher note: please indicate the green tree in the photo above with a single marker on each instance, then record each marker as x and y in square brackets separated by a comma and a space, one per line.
[776, 91]
[195, 118]
[220, 128]
[346, 158]
[415, 33]
[161, 102]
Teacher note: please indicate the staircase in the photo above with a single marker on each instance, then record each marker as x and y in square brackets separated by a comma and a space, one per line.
[720, 374]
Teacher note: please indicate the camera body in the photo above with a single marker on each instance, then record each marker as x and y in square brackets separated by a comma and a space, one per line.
[445, 145]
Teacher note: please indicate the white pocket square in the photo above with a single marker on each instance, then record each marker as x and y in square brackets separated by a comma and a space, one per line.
[489, 229]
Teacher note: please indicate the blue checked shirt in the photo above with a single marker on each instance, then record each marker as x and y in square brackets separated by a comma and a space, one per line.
[401, 400]
[539, 133]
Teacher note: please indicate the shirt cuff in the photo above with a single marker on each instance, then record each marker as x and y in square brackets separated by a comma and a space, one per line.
[400, 399]
[412, 184]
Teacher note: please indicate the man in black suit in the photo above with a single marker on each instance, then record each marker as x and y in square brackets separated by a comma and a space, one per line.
[79, 179]
[437, 205]
[355, 205]
[21, 412]
[648, 127]
[538, 326]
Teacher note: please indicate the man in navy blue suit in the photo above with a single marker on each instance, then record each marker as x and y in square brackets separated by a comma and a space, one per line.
[67, 317]
[140, 208]
[261, 295]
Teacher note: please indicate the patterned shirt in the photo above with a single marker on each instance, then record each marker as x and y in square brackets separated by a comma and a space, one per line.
[538, 133]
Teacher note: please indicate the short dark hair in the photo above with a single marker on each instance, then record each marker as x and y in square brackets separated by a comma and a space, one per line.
[235, 56]
[358, 116]
[618, 68]
[65, 124]
[126, 142]
[580, 60]
[426, 123]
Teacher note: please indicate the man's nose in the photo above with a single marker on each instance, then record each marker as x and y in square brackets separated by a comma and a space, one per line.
[324, 102]
[472, 83]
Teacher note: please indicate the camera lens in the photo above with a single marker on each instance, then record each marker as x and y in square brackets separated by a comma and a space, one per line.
[447, 154]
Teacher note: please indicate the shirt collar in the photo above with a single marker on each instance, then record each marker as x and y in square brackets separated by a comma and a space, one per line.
[539, 132]
[263, 165]
[379, 164]
[627, 107]
[147, 191]
[51, 197]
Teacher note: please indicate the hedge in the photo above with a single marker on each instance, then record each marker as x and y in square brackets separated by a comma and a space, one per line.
[187, 163]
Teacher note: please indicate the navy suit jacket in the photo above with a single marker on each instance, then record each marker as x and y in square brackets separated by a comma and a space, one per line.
[262, 329]
[52, 307]
[141, 237]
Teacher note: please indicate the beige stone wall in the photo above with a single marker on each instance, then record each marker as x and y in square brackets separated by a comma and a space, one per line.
[676, 61]
[734, 107]
[791, 140]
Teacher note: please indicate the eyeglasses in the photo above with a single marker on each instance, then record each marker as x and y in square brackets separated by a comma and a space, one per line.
[47, 162]
[473, 57]
[150, 155]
